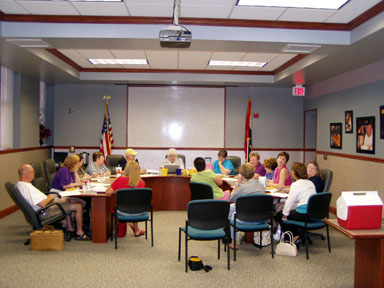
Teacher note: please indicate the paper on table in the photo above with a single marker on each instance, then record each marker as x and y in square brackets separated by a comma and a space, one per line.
[70, 193]
[99, 187]
[279, 194]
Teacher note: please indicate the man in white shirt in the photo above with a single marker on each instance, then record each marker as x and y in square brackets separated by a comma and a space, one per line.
[38, 200]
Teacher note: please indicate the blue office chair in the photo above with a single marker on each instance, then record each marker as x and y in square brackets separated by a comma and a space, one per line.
[207, 220]
[315, 211]
[253, 208]
[200, 191]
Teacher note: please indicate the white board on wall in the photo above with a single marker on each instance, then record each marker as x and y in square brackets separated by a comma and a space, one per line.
[176, 116]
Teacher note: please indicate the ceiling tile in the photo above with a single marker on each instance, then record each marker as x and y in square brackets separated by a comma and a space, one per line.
[246, 69]
[11, 7]
[196, 11]
[229, 56]
[259, 57]
[277, 62]
[256, 13]
[193, 60]
[108, 66]
[98, 8]
[162, 59]
[48, 8]
[210, 2]
[150, 10]
[307, 15]
[128, 54]
[136, 66]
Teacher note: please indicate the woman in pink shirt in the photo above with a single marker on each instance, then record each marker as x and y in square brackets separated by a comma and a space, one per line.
[281, 177]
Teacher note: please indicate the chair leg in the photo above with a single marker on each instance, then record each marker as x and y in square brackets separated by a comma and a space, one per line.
[116, 232]
[152, 230]
[272, 248]
[112, 227]
[146, 230]
[218, 249]
[306, 243]
[228, 252]
[186, 251]
[234, 243]
[179, 244]
[329, 241]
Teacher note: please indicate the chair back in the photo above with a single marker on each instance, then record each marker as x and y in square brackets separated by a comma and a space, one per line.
[39, 181]
[200, 191]
[134, 200]
[208, 214]
[50, 171]
[112, 161]
[318, 205]
[236, 162]
[327, 176]
[27, 210]
[254, 208]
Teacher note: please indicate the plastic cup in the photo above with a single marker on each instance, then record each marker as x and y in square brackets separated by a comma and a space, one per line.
[178, 171]
[164, 172]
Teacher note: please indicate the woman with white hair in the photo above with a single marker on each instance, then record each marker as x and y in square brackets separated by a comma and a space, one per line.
[172, 159]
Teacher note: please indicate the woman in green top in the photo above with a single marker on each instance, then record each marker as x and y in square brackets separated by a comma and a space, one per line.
[209, 177]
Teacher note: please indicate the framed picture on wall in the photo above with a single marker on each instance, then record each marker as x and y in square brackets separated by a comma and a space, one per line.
[335, 135]
[348, 121]
[382, 122]
[365, 135]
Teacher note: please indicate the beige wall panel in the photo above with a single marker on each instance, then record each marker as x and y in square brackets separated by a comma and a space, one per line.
[9, 163]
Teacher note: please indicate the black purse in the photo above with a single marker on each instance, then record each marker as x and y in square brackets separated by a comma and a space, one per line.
[195, 264]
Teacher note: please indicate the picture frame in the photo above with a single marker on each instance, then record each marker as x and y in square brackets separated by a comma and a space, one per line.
[336, 135]
[382, 122]
[365, 135]
[348, 125]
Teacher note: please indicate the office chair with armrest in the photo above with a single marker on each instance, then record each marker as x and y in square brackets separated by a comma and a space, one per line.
[50, 171]
[253, 208]
[207, 220]
[132, 205]
[327, 176]
[39, 181]
[31, 215]
[112, 162]
[200, 191]
[315, 211]
[236, 162]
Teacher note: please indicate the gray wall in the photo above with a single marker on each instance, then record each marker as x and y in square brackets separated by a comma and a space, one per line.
[363, 100]
[280, 124]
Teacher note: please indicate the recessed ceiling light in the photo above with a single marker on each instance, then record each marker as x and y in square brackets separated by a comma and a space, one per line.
[28, 43]
[236, 63]
[119, 61]
[317, 4]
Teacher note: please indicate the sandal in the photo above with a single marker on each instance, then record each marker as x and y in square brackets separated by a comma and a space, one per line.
[82, 237]
[141, 233]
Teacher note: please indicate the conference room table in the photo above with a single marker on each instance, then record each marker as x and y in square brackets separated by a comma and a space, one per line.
[369, 254]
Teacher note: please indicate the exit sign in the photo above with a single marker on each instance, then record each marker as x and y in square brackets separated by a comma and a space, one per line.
[298, 90]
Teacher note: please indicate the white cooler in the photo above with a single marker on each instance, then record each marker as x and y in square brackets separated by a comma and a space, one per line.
[359, 210]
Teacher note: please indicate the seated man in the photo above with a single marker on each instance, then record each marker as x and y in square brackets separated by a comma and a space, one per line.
[130, 155]
[38, 200]
[223, 165]
[97, 167]
[210, 178]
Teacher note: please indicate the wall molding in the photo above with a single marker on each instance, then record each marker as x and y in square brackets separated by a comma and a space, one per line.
[9, 151]
[350, 156]
[8, 211]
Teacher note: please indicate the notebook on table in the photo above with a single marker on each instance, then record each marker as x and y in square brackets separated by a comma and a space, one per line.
[172, 168]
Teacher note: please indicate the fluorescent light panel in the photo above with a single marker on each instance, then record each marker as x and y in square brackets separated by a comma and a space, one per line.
[315, 4]
[119, 61]
[236, 63]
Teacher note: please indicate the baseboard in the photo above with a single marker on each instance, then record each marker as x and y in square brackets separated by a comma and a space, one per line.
[8, 211]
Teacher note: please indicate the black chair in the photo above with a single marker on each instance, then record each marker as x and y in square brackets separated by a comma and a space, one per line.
[315, 211]
[134, 201]
[236, 162]
[50, 171]
[200, 191]
[253, 208]
[112, 162]
[207, 220]
[31, 215]
[327, 176]
[39, 181]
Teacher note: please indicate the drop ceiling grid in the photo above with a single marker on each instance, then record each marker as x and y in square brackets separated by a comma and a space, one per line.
[98, 8]
[48, 8]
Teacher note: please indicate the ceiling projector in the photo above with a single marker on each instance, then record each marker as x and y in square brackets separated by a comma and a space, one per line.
[175, 36]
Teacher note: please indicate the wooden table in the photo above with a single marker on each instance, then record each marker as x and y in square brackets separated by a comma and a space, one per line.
[369, 254]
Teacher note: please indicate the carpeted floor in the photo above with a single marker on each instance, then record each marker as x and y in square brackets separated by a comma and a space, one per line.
[136, 264]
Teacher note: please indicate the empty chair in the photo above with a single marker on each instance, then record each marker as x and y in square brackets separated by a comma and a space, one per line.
[50, 171]
[132, 205]
[207, 220]
[112, 161]
[39, 181]
[200, 191]
[327, 176]
[315, 211]
[236, 162]
[253, 209]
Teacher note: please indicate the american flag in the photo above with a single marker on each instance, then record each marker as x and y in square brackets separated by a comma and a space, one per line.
[106, 141]
[248, 133]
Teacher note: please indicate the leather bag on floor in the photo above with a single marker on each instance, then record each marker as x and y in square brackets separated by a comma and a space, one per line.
[47, 239]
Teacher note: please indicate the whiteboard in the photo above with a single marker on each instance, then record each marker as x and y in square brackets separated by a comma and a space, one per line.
[176, 116]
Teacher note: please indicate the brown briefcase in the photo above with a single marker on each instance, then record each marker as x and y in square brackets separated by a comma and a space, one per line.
[47, 239]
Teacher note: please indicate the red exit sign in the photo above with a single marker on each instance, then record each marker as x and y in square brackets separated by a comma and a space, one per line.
[298, 91]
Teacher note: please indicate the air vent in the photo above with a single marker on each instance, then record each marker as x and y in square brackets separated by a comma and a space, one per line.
[300, 48]
[29, 43]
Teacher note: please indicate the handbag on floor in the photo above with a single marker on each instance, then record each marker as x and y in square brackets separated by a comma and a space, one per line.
[286, 248]
[265, 238]
[47, 239]
[121, 229]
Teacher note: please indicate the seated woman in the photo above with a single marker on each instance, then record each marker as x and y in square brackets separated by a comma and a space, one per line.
[313, 171]
[97, 167]
[172, 159]
[254, 160]
[246, 184]
[81, 170]
[270, 165]
[209, 177]
[130, 179]
[223, 165]
[281, 177]
[298, 195]
[67, 176]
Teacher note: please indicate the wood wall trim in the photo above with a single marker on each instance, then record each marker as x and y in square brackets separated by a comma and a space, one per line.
[8, 211]
[9, 151]
[64, 58]
[367, 15]
[289, 63]
[350, 156]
